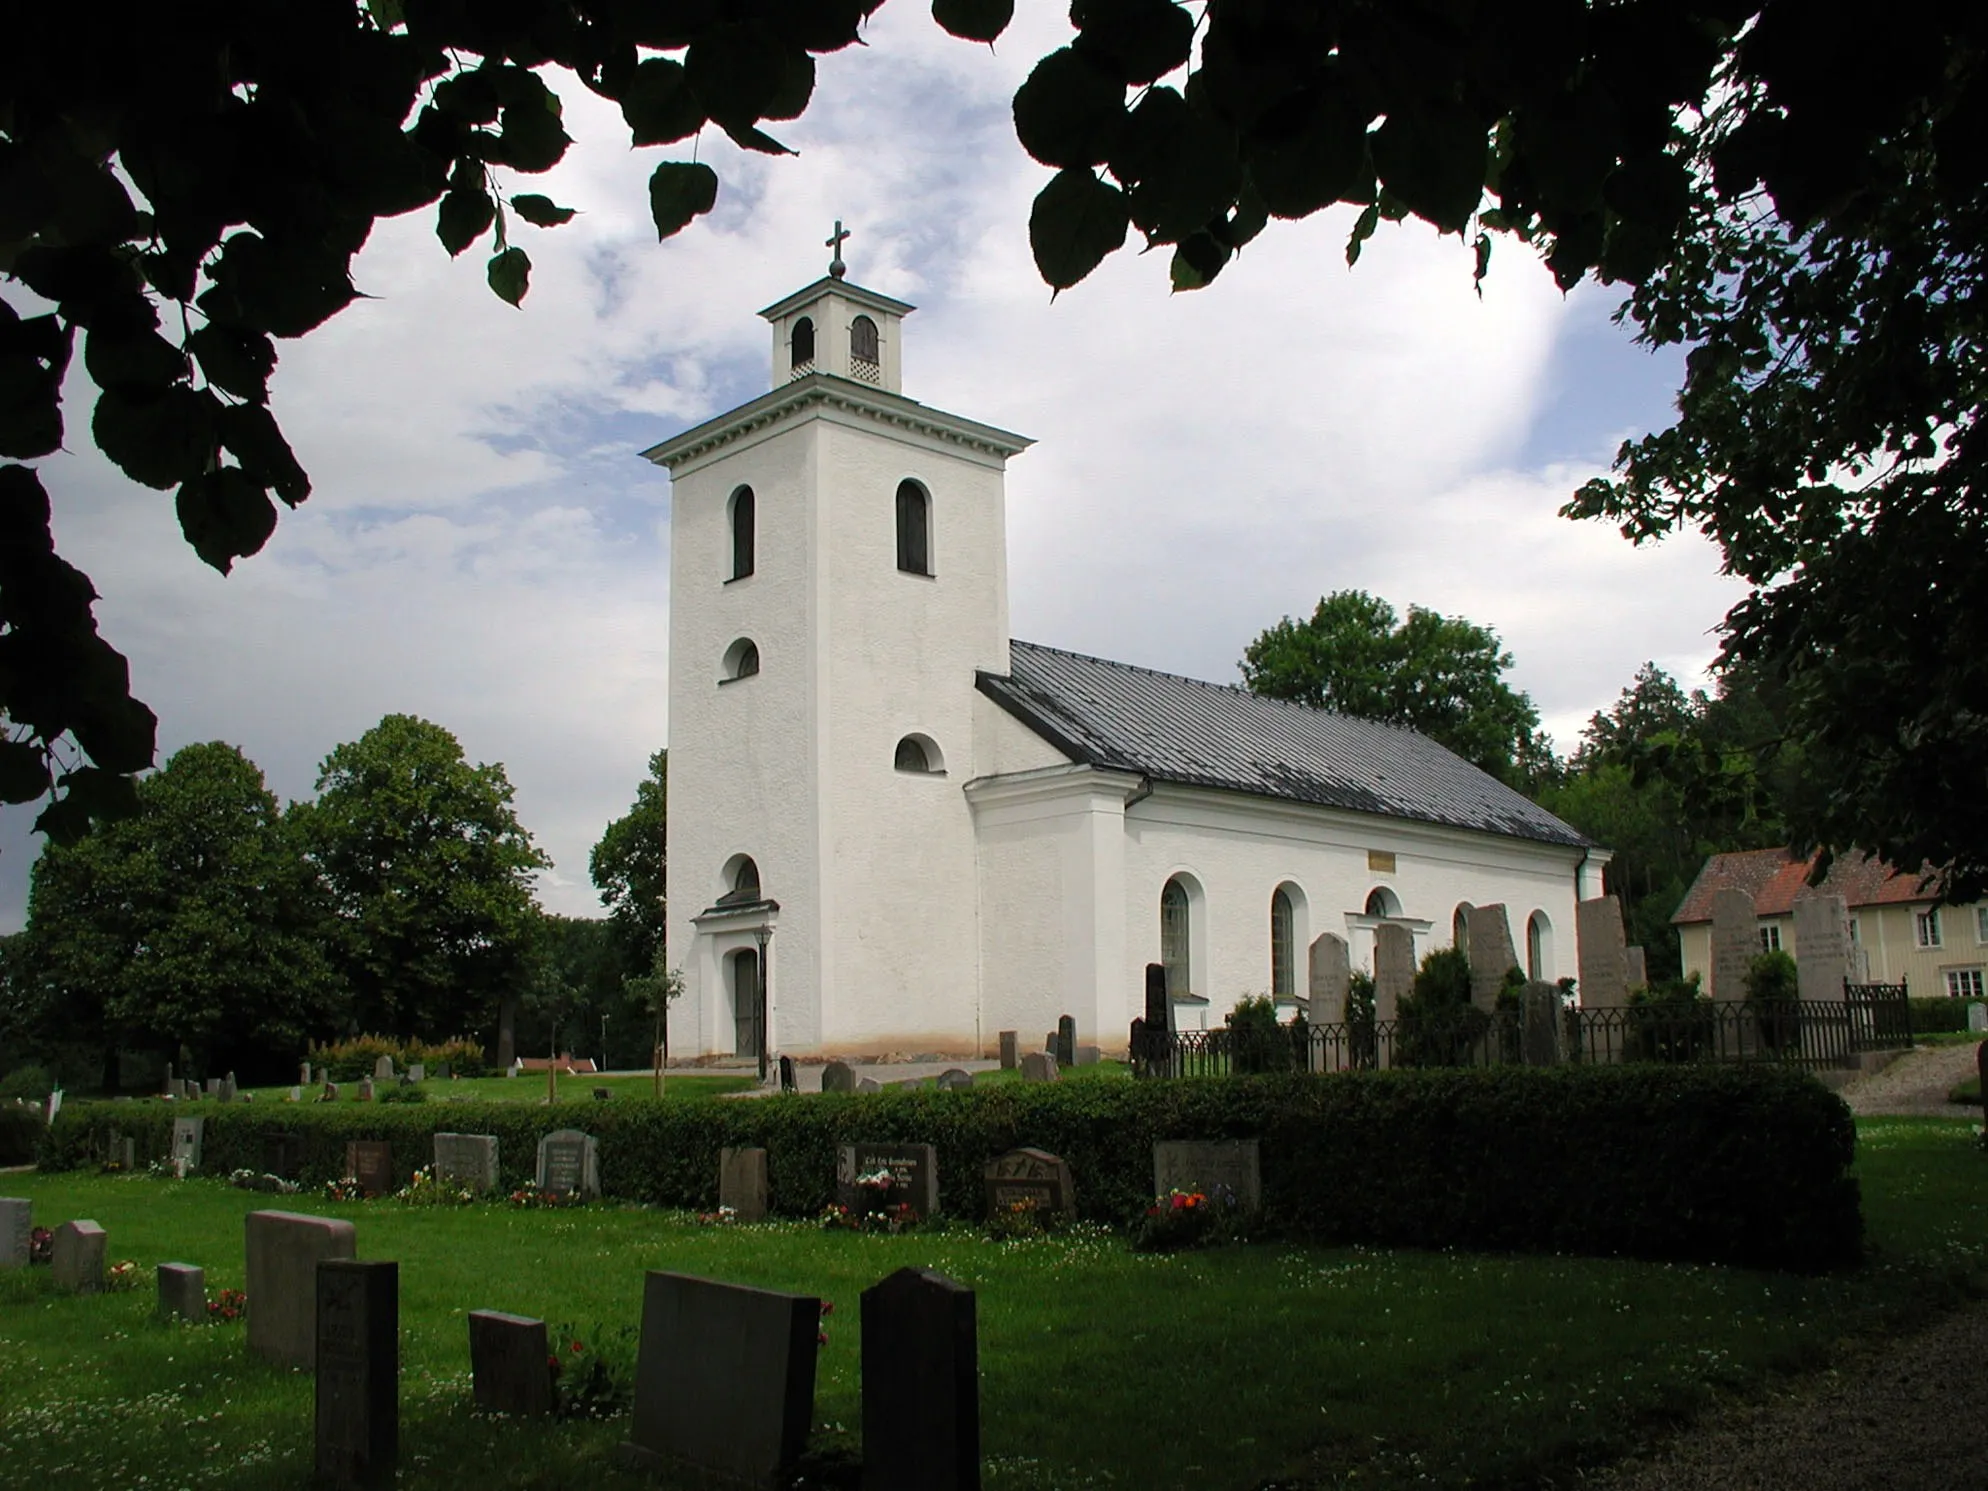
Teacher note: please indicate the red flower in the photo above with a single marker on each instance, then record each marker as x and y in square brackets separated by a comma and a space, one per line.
[822, 1339]
[828, 1307]
[577, 1348]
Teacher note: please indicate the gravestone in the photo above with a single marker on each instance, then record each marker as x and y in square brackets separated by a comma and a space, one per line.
[383, 1069]
[17, 1227]
[1330, 979]
[1066, 1041]
[1030, 1175]
[284, 1250]
[370, 1162]
[1088, 1055]
[188, 1133]
[508, 1364]
[303, 1074]
[914, 1173]
[330, 1093]
[1009, 1052]
[1394, 969]
[1822, 948]
[467, 1160]
[123, 1152]
[742, 1182]
[742, 1413]
[78, 1257]
[1039, 1066]
[1542, 1024]
[1211, 1167]
[182, 1292]
[787, 1081]
[358, 1371]
[921, 1385]
[1159, 1002]
[869, 1084]
[568, 1162]
[1601, 953]
[169, 1087]
[1735, 942]
[283, 1154]
[211, 1087]
[1977, 1019]
[955, 1080]
[323, 1076]
[418, 1072]
[1491, 954]
[1639, 968]
[296, 1094]
[837, 1076]
[229, 1092]
[365, 1089]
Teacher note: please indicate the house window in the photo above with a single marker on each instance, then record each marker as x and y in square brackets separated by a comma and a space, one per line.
[742, 522]
[1926, 928]
[1981, 924]
[741, 660]
[863, 360]
[1383, 902]
[1770, 938]
[1856, 930]
[804, 346]
[914, 529]
[919, 753]
[1964, 983]
[1283, 950]
[1174, 947]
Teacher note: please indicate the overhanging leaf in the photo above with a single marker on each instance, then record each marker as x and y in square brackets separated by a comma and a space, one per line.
[1069, 111]
[510, 274]
[158, 441]
[659, 105]
[974, 20]
[540, 211]
[680, 191]
[462, 217]
[23, 771]
[1077, 219]
[1432, 157]
[1137, 40]
[226, 515]
[251, 433]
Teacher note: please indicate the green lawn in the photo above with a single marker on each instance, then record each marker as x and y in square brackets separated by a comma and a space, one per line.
[1100, 1367]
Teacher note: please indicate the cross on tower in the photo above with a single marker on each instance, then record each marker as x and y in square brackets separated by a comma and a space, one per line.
[835, 266]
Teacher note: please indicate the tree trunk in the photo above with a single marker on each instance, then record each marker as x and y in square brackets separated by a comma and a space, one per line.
[507, 1038]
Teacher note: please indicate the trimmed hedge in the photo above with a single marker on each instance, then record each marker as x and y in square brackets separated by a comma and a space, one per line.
[1939, 1016]
[20, 1133]
[1745, 1165]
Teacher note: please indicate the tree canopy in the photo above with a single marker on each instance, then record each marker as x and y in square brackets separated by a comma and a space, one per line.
[630, 869]
[1443, 676]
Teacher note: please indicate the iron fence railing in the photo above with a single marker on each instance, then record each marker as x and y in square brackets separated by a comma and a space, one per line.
[1811, 1034]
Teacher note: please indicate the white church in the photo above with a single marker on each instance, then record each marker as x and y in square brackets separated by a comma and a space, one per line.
[894, 828]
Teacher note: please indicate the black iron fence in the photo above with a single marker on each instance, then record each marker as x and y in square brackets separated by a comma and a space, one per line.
[1812, 1034]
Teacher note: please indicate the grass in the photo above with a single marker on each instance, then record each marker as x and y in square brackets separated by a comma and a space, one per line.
[1966, 1092]
[1100, 1367]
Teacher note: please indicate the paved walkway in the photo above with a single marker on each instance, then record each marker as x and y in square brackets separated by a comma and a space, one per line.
[807, 1074]
[1916, 1084]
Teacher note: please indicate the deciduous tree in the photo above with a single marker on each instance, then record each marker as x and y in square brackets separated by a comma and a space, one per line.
[630, 868]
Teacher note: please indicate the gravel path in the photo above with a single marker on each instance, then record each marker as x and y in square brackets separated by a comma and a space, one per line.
[1917, 1083]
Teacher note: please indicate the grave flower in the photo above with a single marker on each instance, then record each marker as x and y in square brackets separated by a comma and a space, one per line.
[41, 1245]
[229, 1305]
[122, 1275]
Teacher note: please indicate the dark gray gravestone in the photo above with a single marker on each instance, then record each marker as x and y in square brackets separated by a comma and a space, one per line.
[1542, 1024]
[921, 1385]
[17, 1225]
[283, 1154]
[569, 1162]
[284, 1250]
[1030, 1175]
[370, 1162]
[787, 1082]
[914, 1172]
[182, 1292]
[1039, 1066]
[1066, 1041]
[1489, 932]
[1088, 1055]
[953, 1079]
[1638, 967]
[187, 1136]
[508, 1362]
[1159, 1008]
[123, 1152]
[742, 1182]
[741, 1412]
[1009, 1050]
[1210, 1167]
[78, 1257]
[358, 1371]
[838, 1076]
[467, 1160]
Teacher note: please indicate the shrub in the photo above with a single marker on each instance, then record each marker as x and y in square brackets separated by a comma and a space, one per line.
[21, 1128]
[1744, 1165]
[1669, 1022]
[1938, 1016]
[1773, 988]
[1437, 1024]
[34, 1082]
[1257, 1043]
[350, 1060]
[1363, 1043]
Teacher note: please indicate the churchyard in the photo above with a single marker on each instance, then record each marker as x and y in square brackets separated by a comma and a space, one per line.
[1225, 1366]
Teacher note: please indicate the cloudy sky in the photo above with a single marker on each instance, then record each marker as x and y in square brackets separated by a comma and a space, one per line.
[484, 548]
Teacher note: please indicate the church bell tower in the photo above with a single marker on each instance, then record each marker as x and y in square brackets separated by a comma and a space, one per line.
[838, 571]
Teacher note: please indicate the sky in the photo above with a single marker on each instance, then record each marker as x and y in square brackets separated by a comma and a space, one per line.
[484, 548]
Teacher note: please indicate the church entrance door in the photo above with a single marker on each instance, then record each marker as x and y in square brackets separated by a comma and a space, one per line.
[748, 1018]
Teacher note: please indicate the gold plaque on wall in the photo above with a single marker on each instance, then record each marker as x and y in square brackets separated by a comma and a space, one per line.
[1380, 861]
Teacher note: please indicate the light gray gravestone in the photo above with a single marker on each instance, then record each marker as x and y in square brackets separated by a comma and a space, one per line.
[569, 1162]
[418, 1072]
[1088, 1055]
[383, 1069]
[869, 1084]
[1039, 1066]
[838, 1076]
[1066, 1041]
[742, 1182]
[1639, 968]
[182, 1292]
[124, 1152]
[1735, 942]
[953, 1079]
[212, 1088]
[357, 1327]
[741, 1414]
[1822, 948]
[296, 1094]
[284, 1251]
[1212, 1167]
[370, 1162]
[914, 1172]
[1330, 978]
[229, 1091]
[1009, 1053]
[1394, 969]
[921, 1384]
[1977, 1017]
[188, 1134]
[1601, 953]
[467, 1160]
[78, 1257]
[1029, 1176]
[17, 1227]
[508, 1364]
[303, 1074]
[323, 1076]
[365, 1089]
[1542, 1024]
[1491, 954]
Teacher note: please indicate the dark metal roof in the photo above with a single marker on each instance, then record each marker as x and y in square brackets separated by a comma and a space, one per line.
[1175, 729]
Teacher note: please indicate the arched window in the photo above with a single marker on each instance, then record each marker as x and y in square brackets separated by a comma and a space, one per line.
[1175, 950]
[803, 354]
[919, 753]
[863, 340]
[741, 659]
[914, 529]
[1383, 902]
[745, 877]
[1539, 947]
[1283, 945]
[742, 521]
[1460, 927]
